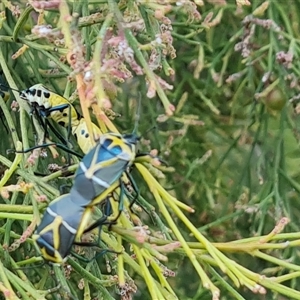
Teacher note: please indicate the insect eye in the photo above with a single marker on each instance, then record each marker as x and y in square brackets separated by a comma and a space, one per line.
[23, 95]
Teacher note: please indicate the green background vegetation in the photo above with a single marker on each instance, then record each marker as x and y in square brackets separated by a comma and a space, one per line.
[233, 139]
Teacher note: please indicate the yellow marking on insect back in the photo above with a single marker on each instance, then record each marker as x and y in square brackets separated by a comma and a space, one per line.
[57, 258]
[127, 154]
[63, 117]
[86, 218]
[54, 227]
[80, 131]
[94, 167]
[103, 196]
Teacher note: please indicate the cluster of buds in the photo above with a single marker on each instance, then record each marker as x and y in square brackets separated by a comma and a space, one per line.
[52, 35]
[77, 55]
[41, 5]
[245, 45]
[67, 271]
[26, 234]
[265, 23]
[123, 53]
[127, 290]
[190, 8]
[250, 22]
[41, 198]
[33, 157]
[15, 9]
[133, 19]
[285, 58]
[22, 187]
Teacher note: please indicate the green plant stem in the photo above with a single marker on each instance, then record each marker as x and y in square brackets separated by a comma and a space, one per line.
[96, 282]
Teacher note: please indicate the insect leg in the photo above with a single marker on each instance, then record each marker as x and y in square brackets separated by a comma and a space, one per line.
[63, 189]
[60, 146]
[136, 190]
[62, 139]
[87, 260]
[70, 123]
[102, 221]
[99, 223]
[55, 131]
[69, 130]
[40, 120]
[135, 198]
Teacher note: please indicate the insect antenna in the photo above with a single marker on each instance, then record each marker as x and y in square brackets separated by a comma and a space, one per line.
[8, 87]
[60, 146]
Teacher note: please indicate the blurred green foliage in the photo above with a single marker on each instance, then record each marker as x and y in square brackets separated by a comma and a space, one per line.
[233, 139]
